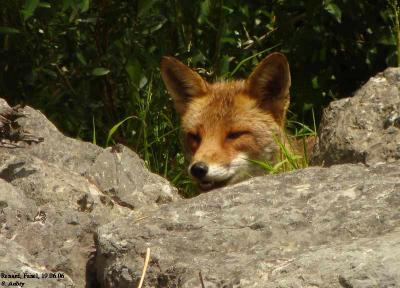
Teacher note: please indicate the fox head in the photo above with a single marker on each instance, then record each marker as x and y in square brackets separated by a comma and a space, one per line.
[225, 124]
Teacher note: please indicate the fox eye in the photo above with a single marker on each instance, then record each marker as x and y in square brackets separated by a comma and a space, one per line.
[194, 137]
[236, 135]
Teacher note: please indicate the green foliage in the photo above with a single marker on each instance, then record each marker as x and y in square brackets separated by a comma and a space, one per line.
[293, 149]
[89, 64]
[29, 8]
[394, 5]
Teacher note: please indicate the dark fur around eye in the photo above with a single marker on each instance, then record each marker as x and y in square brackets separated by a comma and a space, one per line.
[236, 135]
[194, 137]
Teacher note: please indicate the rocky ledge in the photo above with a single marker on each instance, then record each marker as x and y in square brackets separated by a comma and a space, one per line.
[77, 215]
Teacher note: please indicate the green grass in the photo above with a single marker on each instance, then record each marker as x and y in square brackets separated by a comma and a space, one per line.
[394, 6]
[293, 151]
[112, 130]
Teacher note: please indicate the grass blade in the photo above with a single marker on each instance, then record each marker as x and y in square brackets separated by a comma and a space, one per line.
[115, 127]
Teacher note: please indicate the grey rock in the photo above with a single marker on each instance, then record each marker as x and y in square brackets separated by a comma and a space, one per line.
[364, 128]
[69, 153]
[74, 209]
[54, 195]
[19, 267]
[317, 227]
[61, 211]
[367, 262]
[122, 175]
[118, 172]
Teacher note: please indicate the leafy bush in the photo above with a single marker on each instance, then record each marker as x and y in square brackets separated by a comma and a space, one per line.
[90, 64]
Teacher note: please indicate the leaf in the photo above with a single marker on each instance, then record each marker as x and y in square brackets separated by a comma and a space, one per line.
[134, 71]
[8, 30]
[144, 6]
[81, 58]
[29, 8]
[44, 5]
[314, 82]
[66, 4]
[204, 11]
[100, 71]
[85, 5]
[143, 82]
[158, 26]
[334, 10]
[387, 39]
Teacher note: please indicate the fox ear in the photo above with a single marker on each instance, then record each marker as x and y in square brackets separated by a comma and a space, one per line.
[269, 84]
[182, 82]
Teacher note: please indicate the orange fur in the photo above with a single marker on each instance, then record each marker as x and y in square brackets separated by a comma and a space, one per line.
[224, 122]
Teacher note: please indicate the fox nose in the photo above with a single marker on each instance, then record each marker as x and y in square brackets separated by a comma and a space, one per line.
[199, 170]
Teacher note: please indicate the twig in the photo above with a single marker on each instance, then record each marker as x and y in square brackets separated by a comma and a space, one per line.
[141, 218]
[201, 280]
[146, 263]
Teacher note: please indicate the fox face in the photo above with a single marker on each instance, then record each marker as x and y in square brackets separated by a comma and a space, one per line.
[226, 124]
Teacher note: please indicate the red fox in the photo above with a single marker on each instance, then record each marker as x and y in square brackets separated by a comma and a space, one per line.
[225, 124]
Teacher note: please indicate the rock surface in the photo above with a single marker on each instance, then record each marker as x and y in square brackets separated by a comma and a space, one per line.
[364, 128]
[54, 195]
[316, 227]
[15, 260]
